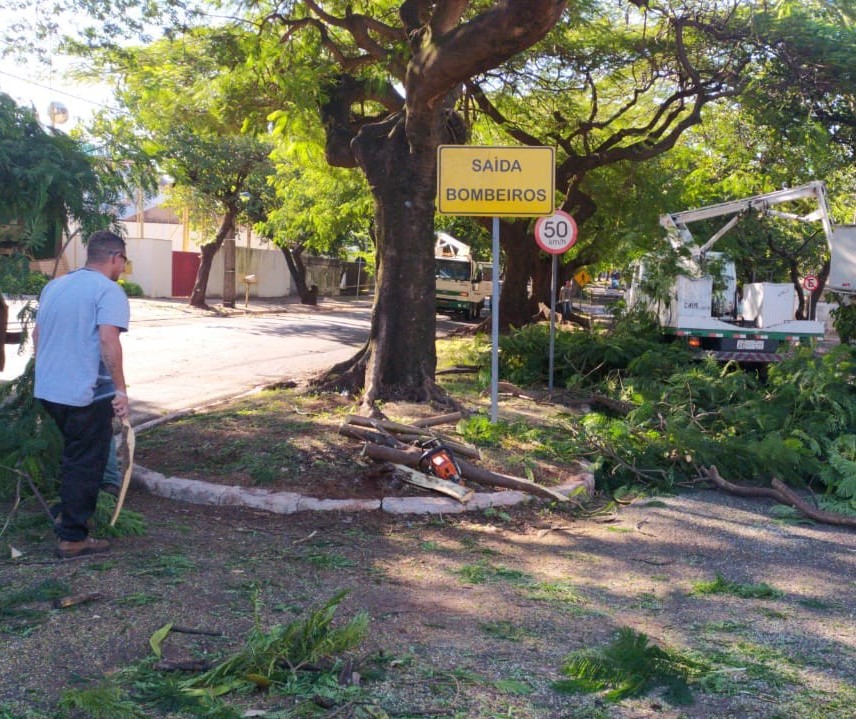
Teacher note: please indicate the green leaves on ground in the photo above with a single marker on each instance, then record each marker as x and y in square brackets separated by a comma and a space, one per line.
[798, 425]
[629, 666]
[278, 654]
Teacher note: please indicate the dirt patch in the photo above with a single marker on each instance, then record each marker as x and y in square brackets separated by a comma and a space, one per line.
[304, 451]
[469, 615]
[474, 613]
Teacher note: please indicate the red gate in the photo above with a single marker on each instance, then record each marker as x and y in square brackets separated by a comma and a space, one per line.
[184, 268]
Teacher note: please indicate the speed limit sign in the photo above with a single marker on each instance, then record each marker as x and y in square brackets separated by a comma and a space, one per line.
[556, 233]
[810, 282]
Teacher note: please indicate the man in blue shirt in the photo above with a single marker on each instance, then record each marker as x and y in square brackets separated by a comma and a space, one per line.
[80, 380]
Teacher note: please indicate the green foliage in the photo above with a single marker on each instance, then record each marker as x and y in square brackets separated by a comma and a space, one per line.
[129, 523]
[132, 289]
[479, 430]
[16, 279]
[844, 322]
[105, 701]
[721, 585]
[48, 181]
[630, 666]
[29, 439]
[278, 654]
[579, 357]
[16, 616]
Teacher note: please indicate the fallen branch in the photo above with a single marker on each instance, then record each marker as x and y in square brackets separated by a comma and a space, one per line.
[781, 493]
[410, 433]
[410, 457]
[439, 419]
[75, 599]
[367, 435]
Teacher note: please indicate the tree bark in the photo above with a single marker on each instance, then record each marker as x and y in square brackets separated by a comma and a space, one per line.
[294, 260]
[200, 286]
[401, 348]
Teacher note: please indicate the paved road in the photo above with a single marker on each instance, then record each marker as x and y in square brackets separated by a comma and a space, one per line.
[175, 363]
[178, 358]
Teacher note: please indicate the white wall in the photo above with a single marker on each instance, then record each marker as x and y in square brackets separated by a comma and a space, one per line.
[151, 265]
[269, 267]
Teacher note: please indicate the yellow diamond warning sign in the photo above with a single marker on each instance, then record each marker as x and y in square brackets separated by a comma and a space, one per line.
[493, 181]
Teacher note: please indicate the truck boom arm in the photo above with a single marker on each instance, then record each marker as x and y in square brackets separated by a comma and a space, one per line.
[676, 222]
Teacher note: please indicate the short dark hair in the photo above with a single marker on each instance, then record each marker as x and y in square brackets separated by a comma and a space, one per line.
[102, 244]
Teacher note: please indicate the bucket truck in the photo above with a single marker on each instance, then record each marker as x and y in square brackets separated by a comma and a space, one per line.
[710, 316]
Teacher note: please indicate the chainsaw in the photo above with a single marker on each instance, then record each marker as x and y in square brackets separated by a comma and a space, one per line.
[437, 459]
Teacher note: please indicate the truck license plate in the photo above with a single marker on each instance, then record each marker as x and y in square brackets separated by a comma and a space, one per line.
[750, 344]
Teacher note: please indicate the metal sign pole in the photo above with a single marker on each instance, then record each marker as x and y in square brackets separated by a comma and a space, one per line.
[494, 327]
[552, 318]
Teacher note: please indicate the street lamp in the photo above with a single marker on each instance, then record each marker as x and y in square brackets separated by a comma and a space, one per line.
[58, 113]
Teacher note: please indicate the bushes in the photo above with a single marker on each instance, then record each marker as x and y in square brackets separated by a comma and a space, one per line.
[17, 279]
[132, 289]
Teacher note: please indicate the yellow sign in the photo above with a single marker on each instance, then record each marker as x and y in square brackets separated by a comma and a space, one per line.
[582, 277]
[492, 181]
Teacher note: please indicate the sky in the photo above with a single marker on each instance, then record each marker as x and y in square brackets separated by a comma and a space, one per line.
[35, 85]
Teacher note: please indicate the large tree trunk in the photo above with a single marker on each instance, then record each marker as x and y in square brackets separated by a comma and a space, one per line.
[516, 306]
[399, 157]
[294, 260]
[402, 356]
[200, 286]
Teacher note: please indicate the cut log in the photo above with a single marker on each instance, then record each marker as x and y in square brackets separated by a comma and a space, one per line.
[458, 370]
[74, 599]
[411, 433]
[387, 425]
[458, 448]
[410, 457]
[439, 419]
[426, 481]
[368, 435]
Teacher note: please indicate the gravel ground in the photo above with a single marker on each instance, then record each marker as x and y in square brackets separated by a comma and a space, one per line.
[475, 611]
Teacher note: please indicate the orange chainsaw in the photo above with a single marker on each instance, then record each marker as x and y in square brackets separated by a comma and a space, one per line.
[437, 459]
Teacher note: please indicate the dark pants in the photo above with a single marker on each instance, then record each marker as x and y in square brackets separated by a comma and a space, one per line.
[87, 432]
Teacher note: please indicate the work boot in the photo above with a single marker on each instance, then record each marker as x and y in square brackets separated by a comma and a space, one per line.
[67, 549]
[111, 489]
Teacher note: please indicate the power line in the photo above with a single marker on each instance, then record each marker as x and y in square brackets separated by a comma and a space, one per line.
[59, 92]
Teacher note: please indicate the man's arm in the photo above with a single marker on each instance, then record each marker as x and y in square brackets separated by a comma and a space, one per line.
[111, 353]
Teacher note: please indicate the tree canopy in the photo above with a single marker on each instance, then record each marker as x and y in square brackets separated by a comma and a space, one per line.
[49, 181]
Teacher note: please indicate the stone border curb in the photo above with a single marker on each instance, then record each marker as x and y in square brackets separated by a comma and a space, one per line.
[196, 491]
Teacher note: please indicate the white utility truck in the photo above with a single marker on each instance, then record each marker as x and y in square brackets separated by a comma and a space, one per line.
[460, 289]
[716, 321]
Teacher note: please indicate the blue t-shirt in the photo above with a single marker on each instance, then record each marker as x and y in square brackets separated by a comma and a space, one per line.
[69, 368]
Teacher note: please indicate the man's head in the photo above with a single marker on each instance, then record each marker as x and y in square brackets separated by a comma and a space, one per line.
[105, 251]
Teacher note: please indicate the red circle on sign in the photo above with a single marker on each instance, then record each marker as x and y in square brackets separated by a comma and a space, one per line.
[556, 233]
[810, 283]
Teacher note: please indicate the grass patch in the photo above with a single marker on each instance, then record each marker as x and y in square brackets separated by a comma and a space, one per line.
[167, 566]
[505, 630]
[483, 573]
[559, 592]
[721, 585]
